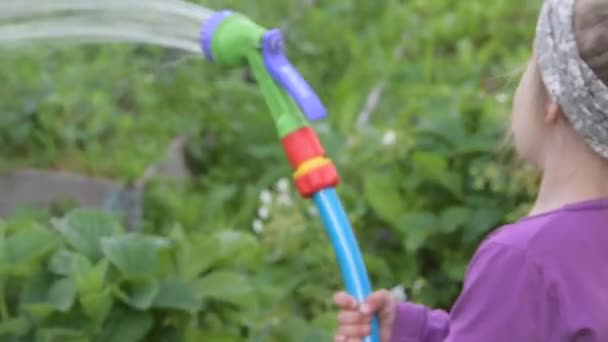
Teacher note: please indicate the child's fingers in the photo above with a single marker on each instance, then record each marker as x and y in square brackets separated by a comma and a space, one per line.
[345, 301]
[340, 338]
[354, 331]
[353, 317]
[376, 301]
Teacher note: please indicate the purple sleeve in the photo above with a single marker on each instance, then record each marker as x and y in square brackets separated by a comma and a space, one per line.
[500, 302]
[417, 323]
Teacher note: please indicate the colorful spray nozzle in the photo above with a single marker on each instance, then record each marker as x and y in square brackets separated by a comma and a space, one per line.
[229, 38]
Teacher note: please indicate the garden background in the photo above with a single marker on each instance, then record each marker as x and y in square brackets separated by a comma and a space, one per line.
[418, 94]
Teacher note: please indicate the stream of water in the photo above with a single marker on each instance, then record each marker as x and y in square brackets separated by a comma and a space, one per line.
[168, 23]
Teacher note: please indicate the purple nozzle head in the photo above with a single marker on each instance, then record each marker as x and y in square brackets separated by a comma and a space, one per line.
[208, 30]
[287, 76]
[272, 50]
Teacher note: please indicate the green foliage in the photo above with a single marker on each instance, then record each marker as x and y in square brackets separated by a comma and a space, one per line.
[140, 288]
[424, 179]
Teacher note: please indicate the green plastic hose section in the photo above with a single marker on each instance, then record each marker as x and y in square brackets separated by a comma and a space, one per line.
[237, 41]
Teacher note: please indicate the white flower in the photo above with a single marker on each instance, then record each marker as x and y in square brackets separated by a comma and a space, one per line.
[398, 292]
[258, 226]
[502, 98]
[284, 200]
[266, 197]
[283, 185]
[389, 138]
[312, 211]
[264, 213]
[418, 285]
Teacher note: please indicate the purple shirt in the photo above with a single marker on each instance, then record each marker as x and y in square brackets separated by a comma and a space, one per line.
[544, 278]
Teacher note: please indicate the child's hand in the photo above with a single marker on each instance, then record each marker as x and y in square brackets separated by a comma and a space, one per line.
[354, 321]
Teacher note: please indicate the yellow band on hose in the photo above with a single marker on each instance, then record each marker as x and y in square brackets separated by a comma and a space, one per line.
[310, 165]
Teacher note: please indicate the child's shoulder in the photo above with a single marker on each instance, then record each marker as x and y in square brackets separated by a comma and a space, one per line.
[538, 233]
[575, 226]
[521, 234]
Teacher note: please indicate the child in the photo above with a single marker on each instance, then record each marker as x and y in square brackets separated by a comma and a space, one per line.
[545, 277]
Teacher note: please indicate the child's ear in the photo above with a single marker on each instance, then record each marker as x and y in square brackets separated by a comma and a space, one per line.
[553, 113]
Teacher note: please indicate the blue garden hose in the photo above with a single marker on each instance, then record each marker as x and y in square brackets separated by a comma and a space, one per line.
[337, 225]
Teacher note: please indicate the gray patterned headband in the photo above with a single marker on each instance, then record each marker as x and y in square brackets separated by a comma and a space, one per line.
[582, 96]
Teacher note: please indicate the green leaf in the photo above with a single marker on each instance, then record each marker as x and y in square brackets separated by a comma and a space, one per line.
[454, 217]
[62, 294]
[139, 292]
[84, 229]
[24, 250]
[198, 335]
[235, 247]
[226, 286]
[454, 266]
[481, 222]
[39, 311]
[454, 183]
[194, 335]
[88, 278]
[193, 254]
[175, 294]
[80, 264]
[299, 329]
[476, 144]
[97, 305]
[313, 335]
[3, 235]
[35, 288]
[326, 321]
[382, 193]
[429, 165]
[62, 334]
[61, 262]
[42, 295]
[417, 227]
[133, 255]
[126, 325]
[14, 327]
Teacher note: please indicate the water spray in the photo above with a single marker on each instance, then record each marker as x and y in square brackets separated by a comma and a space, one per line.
[231, 39]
